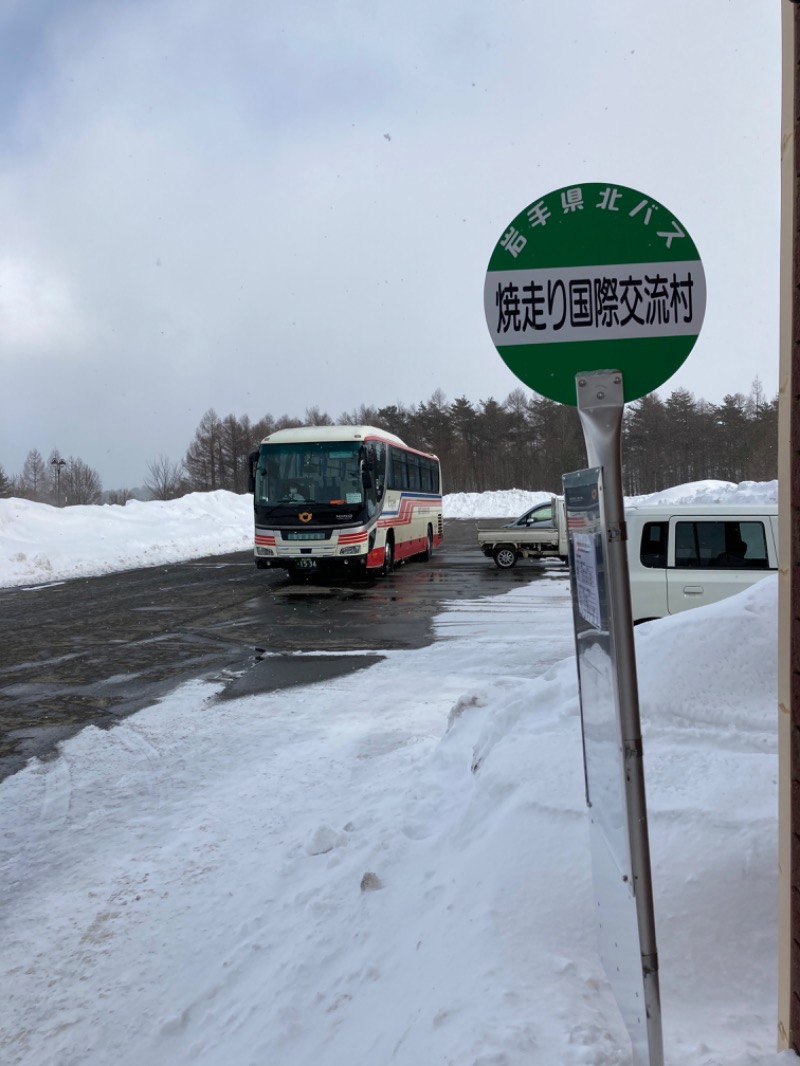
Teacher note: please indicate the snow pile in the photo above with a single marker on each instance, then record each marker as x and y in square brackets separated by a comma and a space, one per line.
[40, 543]
[701, 492]
[507, 503]
[393, 867]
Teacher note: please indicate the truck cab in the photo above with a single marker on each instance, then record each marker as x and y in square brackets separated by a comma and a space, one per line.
[539, 533]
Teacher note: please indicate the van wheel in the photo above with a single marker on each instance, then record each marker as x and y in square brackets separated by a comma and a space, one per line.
[505, 556]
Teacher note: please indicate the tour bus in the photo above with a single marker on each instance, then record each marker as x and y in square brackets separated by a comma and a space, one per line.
[343, 497]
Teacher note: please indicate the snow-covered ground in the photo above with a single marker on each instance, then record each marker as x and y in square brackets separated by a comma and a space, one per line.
[393, 867]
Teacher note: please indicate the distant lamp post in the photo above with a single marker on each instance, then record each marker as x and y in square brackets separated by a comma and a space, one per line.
[58, 462]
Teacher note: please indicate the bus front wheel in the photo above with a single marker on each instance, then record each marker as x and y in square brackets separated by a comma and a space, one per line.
[428, 551]
[388, 557]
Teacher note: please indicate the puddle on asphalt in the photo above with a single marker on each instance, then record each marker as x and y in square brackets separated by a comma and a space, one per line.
[275, 672]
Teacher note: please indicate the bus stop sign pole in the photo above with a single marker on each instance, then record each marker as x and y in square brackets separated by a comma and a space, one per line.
[615, 790]
[589, 276]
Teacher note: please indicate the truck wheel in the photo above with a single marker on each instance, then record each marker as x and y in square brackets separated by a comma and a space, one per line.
[505, 556]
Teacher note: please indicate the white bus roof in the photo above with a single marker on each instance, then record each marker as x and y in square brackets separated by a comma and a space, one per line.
[316, 434]
[323, 433]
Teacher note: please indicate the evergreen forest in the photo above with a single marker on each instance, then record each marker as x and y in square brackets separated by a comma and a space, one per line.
[522, 442]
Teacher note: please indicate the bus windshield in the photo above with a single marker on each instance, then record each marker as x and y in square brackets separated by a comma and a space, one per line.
[318, 472]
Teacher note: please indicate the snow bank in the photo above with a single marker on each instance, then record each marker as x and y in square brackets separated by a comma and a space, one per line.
[40, 543]
[393, 867]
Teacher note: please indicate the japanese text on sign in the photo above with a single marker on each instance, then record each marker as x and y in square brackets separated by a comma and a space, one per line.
[586, 578]
[611, 199]
[595, 302]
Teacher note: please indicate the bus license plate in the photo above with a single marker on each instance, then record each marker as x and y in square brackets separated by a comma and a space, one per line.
[306, 564]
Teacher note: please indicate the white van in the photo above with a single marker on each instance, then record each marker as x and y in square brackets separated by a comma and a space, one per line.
[685, 556]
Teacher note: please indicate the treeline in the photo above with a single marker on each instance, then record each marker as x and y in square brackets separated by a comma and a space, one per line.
[682, 439]
[55, 480]
[523, 442]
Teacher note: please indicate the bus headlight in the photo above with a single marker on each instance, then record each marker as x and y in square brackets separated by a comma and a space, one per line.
[351, 549]
[264, 551]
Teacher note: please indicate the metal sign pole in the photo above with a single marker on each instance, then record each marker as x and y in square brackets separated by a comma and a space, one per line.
[600, 407]
[566, 285]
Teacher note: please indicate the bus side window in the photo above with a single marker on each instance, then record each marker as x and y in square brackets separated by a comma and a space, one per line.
[653, 549]
[414, 482]
[379, 453]
[252, 463]
[399, 470]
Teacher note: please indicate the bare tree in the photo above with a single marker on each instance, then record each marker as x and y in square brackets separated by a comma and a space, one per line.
[33, 483]
[79, 483]
[203, 461]
[117, 496]
[260, 429]
[165, 480]
[235, 435]
[363, 415]
[285, 422]
[315, 417]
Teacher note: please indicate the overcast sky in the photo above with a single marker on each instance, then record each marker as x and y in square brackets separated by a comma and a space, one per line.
[266, 206]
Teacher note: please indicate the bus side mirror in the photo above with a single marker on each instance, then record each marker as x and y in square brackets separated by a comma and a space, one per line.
[368, 456]
[252, 459]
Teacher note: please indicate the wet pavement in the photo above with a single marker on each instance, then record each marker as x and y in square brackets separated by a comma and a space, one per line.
[90, 651]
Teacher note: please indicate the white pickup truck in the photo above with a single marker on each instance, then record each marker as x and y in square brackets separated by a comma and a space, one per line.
[540, 533]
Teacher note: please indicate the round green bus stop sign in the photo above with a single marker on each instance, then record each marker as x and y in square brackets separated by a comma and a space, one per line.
[594, 277]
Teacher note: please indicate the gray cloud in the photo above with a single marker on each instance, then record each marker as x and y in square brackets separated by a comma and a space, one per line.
[200, 206]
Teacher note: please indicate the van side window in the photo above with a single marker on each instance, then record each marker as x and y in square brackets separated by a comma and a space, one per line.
[653, 549]
[745, 546]
[721, 545]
